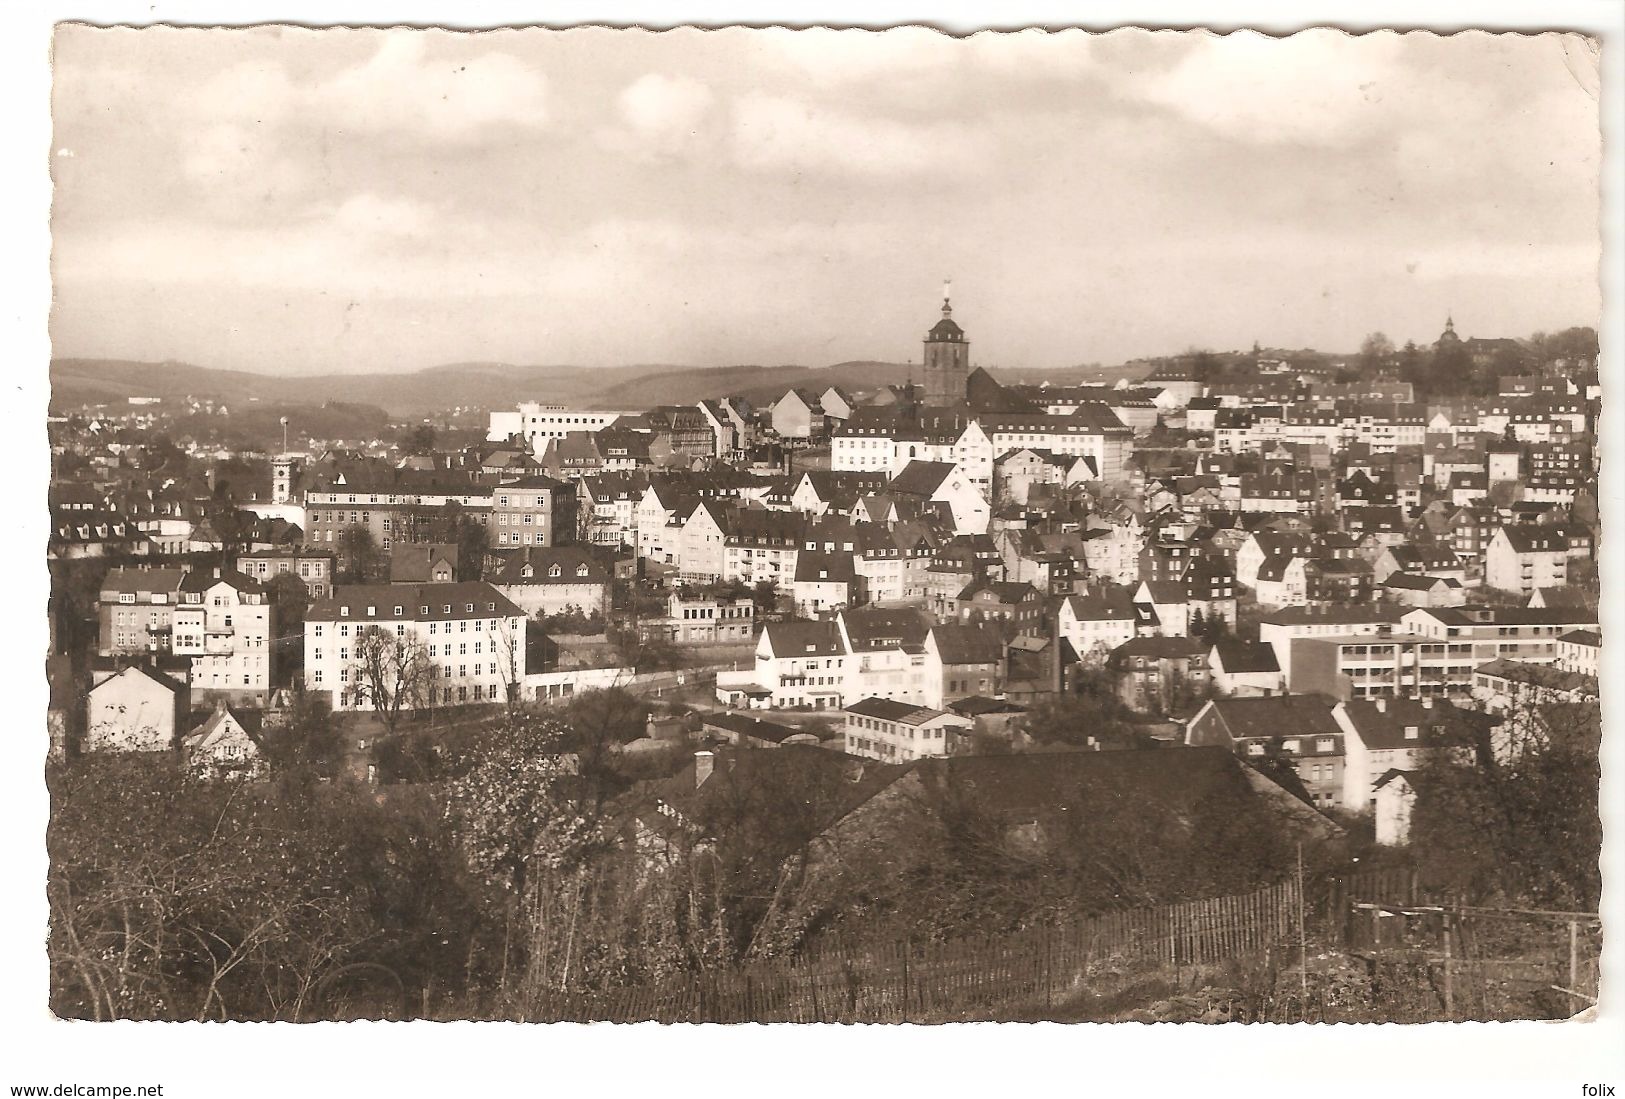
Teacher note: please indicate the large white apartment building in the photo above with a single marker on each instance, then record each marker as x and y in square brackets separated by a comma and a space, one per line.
[472, 637]
[536, 423]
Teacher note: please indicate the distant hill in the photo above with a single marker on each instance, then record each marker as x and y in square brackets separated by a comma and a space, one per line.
[499, 385]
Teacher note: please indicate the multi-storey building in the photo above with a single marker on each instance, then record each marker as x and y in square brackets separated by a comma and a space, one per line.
[533, 511]
[223, 622]
[1298, 730]
[465, 641]
[314, 567]
[897, 732]
[135, 610]
[1524, 557]
[397, 506]
[695, 619]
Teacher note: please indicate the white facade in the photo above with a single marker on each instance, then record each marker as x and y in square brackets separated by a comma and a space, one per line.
[226, 632]
[473, 638]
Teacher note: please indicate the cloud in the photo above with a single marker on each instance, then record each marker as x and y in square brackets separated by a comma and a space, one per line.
[1318, 86]
[661, 117]
[779, 132]
[384, 216]
[400, 88]
[830, 57]
[656, 105]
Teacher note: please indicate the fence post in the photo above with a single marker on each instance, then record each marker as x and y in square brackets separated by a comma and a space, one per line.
[907, 942]
[1048, 999]
[1449, 989]
[1574, 957]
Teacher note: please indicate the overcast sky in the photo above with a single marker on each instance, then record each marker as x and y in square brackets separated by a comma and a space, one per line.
[299, 201]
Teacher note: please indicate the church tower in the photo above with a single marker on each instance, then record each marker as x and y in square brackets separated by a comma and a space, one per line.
[947, 359]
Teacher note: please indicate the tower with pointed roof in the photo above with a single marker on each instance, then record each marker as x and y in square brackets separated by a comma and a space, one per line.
[947, 359]
[1448, 336]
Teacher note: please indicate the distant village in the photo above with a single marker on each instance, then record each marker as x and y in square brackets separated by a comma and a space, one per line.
[1305, 564]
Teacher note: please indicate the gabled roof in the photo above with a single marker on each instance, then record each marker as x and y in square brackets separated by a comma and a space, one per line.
[201, 580]
[803, 638]
[1405, 581]
[819, 567]
[541, 559]
[1275, 715]
[966, 644]
[1161, 648]
[168, 683]
[873, 628]
[414, 564]
[920, 478]
[1238, 657]
[1385, 727]
[1108, 603]
[1533, 538]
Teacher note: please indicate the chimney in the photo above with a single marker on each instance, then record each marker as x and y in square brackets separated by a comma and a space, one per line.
[704, 762]
[1382, 705]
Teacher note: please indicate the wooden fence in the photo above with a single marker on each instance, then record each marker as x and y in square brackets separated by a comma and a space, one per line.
[940, 981]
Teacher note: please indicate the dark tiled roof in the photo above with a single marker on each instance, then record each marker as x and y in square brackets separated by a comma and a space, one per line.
[1239, 657]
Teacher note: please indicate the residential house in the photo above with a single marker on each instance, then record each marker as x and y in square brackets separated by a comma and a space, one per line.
[1298, 731]
[133, 709]
[801, 664]
[695, 618]
[223, 745]
[423, 563]
[1244, 669]
[1525, 557]
[961, 662]
[553, 580]
[1161, 674]
[1097, 621]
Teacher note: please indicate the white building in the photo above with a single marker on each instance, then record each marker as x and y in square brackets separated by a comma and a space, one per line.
[896, 732]
[223, 623]
[471, 636]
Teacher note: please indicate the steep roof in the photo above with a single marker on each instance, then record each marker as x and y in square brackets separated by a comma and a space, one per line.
[1384, 726]
[920, 478]
[967, 644]
[803, 638]
[1276, 715]
[1238, 657]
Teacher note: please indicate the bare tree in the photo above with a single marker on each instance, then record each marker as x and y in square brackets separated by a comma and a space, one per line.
[508, 642]
[390, 674]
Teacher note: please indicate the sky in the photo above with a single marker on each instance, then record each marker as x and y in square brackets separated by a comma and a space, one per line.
[294, 201]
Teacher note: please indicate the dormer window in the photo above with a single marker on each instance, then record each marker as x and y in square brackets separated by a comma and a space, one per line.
[1412, 732]
[372, 611]
[423, 610]
[1324, 744]
[554, 571]
[344, 612]
[397, 612]
[1289, 745]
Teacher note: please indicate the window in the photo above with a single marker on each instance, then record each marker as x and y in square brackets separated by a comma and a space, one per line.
[344, 612]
